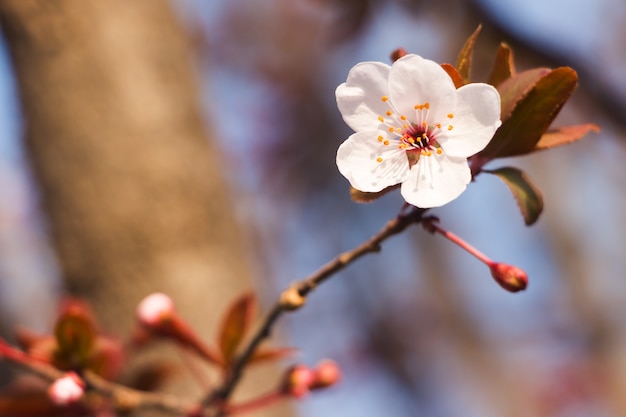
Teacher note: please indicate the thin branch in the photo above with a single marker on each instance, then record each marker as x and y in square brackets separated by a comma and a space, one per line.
[123, 398]
[127, 399]
[304, 287]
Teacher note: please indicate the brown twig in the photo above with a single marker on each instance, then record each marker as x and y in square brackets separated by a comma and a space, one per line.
[126, 399]
[123, 398]
[303, 288]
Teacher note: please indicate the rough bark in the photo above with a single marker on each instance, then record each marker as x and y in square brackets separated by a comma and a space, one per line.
[128, 177]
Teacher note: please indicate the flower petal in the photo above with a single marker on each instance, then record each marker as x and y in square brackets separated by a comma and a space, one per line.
[435, 181]
[359, 98]
[476, 119]
[415, 80]
[357, 161]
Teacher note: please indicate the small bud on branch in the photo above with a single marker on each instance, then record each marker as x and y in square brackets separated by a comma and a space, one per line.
[291, 299]
[67, 389]
[509, 277]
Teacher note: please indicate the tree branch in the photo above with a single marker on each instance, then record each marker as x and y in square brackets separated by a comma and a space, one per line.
[303, 288]
[124, 399]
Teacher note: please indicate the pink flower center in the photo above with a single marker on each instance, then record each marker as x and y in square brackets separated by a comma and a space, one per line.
[418, 137]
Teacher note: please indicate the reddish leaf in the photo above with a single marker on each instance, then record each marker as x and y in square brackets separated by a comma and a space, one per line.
[107, 357]
[75, 334]
[515, 88]
[26, 338]
[564, 135]
[363, 197]
[41, 347]
[464, 61]
[532, 114]
[503, 67]
[270, 354]
[526, 194]
[236, 324]
[454, 74]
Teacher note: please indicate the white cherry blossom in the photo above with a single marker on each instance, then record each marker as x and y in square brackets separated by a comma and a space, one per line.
[413, 127]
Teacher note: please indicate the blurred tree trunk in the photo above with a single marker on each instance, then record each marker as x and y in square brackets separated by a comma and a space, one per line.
[128, 177]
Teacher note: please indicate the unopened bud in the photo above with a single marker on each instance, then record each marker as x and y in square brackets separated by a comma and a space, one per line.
[66, 390]
[327, 373]
[291, 299]
[397, 54]
[510, 277]
[299, 380]
[153, 309]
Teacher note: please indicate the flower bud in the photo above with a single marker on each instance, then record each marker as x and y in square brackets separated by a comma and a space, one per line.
[510, 277]
[153, 309]
[299, 380]
[66, 390]
[397, 54]
[327, 373]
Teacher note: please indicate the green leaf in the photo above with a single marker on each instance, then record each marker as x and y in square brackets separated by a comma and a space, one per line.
[527, 195]
[527, 113]
[464, 61]
[503, 67]
[363, 197]
[564, 135]
[235, 326]
[454, 74]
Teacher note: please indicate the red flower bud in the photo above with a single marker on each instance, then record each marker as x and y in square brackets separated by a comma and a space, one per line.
[157, 315]
[67, 389]
[299, 380]
[327, 373]
[155, 308]
[510, 277]
[397, 54]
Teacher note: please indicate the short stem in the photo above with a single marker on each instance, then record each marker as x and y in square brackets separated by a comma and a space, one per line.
[460, 242]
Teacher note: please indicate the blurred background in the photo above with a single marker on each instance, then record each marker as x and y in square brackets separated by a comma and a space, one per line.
[421, 328]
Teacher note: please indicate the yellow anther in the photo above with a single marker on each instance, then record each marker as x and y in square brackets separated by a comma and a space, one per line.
[424, 136]
[450, 127]
[380, 138]
[439, 151]
[417, 107]
[438, 125]
[388, 113]
[405, 126]
[403, 117]
[379, 159]
[381, 119]
[398, 130]
[411, 140]
[423, 152]
[450, 115]
[386, 143]
[427, 105]
[391, 129]
[429, 153]
[384, 98]
[424, 124]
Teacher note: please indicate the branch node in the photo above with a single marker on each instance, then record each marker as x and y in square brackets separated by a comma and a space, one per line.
[291, 299]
